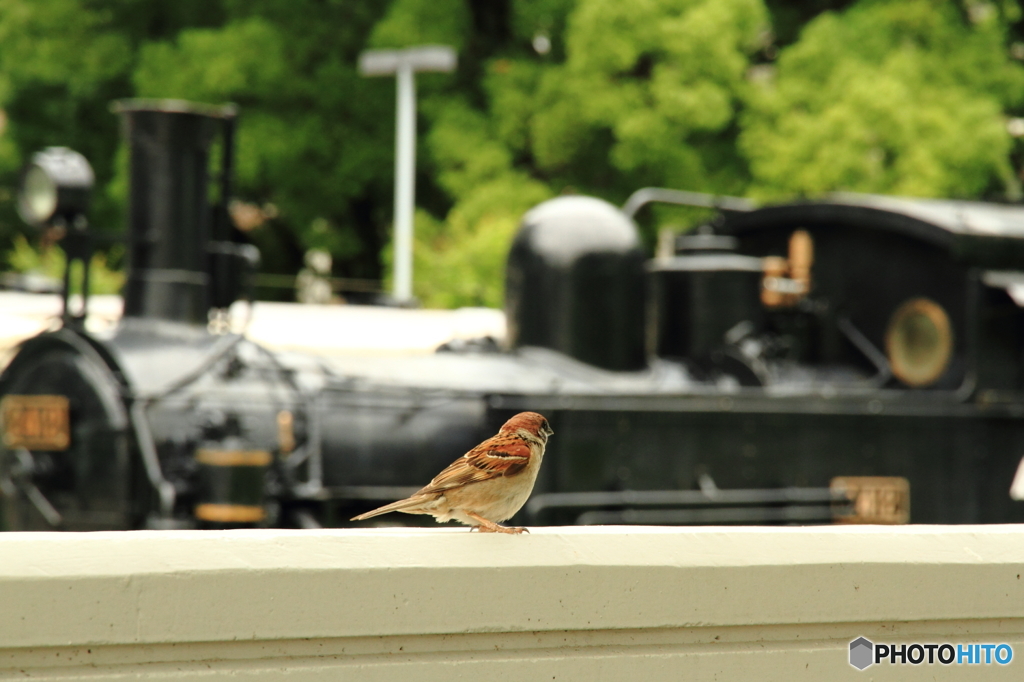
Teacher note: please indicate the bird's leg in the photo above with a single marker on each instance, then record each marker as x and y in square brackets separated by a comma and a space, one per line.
[492, 527]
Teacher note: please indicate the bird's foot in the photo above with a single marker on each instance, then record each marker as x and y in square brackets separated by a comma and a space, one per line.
[487, 526]
[508, 530]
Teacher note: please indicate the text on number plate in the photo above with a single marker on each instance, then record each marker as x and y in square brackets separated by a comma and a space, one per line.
[35, 422]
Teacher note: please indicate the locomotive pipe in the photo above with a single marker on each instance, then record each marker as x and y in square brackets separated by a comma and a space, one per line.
[168, 210]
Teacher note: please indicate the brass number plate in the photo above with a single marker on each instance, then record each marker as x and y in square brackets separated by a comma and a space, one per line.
[35, 422]
[876, 499]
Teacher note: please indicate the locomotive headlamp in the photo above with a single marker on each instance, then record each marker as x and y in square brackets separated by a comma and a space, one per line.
[919, 342]
[55, 184]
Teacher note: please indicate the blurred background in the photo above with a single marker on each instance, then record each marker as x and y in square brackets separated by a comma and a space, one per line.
[765, 99]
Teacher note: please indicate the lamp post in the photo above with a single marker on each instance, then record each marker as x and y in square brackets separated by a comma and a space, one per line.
[403, 64]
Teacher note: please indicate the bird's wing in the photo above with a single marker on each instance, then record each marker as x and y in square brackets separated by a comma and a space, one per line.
[502, 455]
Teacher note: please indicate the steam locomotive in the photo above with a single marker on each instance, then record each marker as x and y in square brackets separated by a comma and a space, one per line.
[813, 362]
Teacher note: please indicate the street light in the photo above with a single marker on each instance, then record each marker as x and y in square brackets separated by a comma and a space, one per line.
[404, 64]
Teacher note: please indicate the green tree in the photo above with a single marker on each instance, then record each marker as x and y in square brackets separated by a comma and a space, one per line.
[891, 96]
[656, 84]
[61, 64]
[461, 261]
[592, 96]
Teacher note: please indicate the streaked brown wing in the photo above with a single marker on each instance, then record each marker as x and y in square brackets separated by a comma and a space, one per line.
[504, 455]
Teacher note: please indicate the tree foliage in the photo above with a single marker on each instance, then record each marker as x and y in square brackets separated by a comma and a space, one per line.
[893, 97]
[769, 99]
[660, 81]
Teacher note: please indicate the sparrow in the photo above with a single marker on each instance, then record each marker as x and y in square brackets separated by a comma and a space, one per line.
[488, 484]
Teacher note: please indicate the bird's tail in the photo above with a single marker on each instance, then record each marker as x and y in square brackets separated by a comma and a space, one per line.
[410, 505]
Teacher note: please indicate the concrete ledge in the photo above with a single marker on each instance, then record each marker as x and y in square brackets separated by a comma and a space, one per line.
[576, 603]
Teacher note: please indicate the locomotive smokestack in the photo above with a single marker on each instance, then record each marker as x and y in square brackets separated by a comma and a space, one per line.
[169, 215]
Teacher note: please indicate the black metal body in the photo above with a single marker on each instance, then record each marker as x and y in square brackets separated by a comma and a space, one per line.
[676, 394]
[575, 284]
[168, 217]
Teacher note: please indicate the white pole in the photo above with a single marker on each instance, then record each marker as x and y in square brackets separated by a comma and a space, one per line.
[405, 180]
[404, 64]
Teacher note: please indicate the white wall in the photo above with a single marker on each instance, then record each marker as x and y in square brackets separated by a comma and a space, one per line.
[345, 330]
[562, 603]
